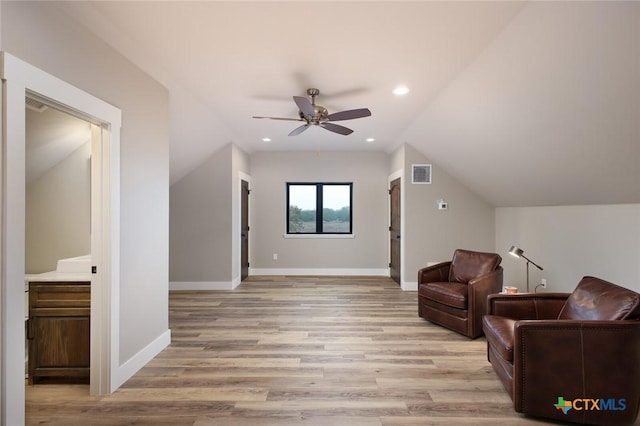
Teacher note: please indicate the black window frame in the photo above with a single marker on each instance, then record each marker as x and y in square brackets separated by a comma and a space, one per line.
[320, 208]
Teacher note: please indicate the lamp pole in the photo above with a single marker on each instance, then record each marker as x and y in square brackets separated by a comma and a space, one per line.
[518, 252]
[534, 264]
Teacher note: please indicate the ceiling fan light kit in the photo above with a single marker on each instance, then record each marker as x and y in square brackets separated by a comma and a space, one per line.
[316, 115]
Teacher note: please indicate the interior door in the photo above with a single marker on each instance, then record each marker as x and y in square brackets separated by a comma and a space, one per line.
[394, 230]
[244, 231]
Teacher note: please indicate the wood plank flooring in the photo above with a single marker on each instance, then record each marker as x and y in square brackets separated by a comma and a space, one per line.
[296, 351]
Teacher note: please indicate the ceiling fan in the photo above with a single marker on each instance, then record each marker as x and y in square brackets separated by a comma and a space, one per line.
[316, 115]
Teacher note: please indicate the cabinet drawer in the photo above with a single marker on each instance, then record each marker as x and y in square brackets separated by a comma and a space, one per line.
[60, 295]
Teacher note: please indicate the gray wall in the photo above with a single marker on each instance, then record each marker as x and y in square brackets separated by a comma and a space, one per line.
[204, 224]
[43, 36]
[58, 213]
[570, 242]
[201, 222]
[271, 170]
[396, 160]
[432, 235]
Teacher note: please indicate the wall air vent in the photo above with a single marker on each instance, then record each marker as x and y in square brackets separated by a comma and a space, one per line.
[421, 173]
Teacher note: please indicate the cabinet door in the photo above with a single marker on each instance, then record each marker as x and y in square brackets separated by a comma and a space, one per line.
[59, 332]
[60, 347]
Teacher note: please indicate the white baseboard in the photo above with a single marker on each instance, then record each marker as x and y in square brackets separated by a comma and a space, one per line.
[203, 285]
[235, 283]
[383, 272]
[409, 286]
[139, 360]
[230, 285]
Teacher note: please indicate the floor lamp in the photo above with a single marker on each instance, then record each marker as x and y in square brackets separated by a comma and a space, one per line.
[517, 252]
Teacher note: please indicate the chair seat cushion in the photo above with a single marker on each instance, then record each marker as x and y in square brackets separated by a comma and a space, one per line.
[499, 332]
[448, 293]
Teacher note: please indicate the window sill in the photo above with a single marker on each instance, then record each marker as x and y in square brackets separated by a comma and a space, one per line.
[319, 236]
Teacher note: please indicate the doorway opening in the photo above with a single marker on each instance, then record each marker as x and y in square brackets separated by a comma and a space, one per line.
[395, 230]
[245, 228]
[19, 81]
[57, 244]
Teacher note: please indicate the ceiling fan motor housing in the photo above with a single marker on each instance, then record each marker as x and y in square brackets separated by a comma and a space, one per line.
[318, 115]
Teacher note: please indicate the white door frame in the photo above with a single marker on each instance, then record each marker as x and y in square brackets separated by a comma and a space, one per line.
[20, 78]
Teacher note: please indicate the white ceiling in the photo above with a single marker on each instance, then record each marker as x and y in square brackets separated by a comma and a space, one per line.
[526, 103]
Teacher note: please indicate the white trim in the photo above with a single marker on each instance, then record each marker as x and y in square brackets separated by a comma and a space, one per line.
[21, 77]
[395, 175]
[378, 272]
[235, 282]
[139, 360]
[203, 285]
[4, 323]
[409, 286]
[318, 236]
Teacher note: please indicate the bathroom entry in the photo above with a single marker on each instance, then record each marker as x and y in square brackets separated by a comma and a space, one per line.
[19, 79]
[58, 187]
[57, 245]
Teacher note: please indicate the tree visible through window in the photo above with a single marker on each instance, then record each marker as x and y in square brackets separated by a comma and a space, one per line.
[319, 208]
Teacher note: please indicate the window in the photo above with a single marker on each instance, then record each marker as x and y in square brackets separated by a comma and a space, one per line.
[319, 208]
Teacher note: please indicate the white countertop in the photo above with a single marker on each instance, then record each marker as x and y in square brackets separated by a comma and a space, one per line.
[55, 276]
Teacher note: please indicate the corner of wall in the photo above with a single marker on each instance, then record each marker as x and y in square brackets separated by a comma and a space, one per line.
[433, 234]
[140, 359]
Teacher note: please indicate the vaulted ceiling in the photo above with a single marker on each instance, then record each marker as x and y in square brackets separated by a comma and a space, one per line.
[526, 103]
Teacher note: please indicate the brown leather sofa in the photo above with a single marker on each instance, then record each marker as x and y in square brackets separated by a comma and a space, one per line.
[454, 294]
[569, 357]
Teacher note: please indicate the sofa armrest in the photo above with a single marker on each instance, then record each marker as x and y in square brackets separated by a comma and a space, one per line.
[525, 306]
[577, 360]
[479, 289]
[491, 282]
[434, 273]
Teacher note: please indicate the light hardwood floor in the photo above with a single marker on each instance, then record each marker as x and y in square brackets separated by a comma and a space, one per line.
[287, 351]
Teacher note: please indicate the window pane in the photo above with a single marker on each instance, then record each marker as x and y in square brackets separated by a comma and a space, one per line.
[302, 208]
[336, 211]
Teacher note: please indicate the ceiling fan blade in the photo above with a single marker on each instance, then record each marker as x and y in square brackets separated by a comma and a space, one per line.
[336, 128]
[349, 115]
[305, 106]
[299, 130]
[280, 118]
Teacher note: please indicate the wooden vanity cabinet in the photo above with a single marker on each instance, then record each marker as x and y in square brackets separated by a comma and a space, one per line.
[58, 331]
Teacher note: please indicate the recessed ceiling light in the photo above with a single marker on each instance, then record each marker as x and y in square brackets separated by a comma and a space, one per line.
[401, 90]
[266, 139]
[370, 139]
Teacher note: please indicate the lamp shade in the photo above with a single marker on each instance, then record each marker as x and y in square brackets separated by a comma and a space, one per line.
[515, 251]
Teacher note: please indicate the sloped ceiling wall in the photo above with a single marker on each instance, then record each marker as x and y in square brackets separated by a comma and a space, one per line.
[527, 103]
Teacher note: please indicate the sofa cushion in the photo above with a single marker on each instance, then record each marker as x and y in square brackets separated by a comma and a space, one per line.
[467, 265]
[451, 294]
[596, 299]
[499, 332]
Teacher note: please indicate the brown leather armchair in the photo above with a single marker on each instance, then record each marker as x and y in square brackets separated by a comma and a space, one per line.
[454, 294]
[570, 357]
